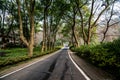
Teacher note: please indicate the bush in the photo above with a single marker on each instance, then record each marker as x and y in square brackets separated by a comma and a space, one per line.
[105, 55]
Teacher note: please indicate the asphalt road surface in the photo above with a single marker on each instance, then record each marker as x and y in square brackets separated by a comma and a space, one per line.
[56, 67]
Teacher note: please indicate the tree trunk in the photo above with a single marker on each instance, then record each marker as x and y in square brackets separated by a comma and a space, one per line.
[44, 45]
[54, 40]
[2, 27]
[89, 23]
[3, 19]
[74, 39]
[82, 21]
[44, 32]
[89, 35]
[73, 29]
[20, 24]
[31, 46]
[30, 43]
[32, 27]
[30, 51]
[108, 23]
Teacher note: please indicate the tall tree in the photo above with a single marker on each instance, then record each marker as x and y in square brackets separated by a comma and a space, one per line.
[92, 16]
[30, 8]
[46, 6]
[108, 20]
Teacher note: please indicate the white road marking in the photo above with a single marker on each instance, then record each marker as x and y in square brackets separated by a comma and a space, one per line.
[19, 69]
[81, 71]
[25, 67]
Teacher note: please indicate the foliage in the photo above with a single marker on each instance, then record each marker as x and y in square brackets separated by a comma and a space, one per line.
[16, 55]
[105, 55]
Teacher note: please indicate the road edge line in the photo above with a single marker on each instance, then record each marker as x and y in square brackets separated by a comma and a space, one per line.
[80, 70]
[25, 67]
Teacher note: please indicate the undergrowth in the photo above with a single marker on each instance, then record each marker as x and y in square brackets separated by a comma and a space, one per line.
[105, 56]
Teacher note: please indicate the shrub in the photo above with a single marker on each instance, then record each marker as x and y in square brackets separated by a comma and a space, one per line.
[105, 55]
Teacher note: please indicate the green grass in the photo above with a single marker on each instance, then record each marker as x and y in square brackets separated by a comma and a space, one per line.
[16, 55]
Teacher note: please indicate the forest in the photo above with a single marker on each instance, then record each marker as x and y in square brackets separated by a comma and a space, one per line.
[91, 27]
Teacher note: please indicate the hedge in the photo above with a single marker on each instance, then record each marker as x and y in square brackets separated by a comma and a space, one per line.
[105, 56]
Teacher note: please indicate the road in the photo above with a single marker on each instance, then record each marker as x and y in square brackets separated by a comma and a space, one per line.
[56, 67]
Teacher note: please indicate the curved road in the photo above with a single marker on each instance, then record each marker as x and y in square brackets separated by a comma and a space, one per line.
[56, 67]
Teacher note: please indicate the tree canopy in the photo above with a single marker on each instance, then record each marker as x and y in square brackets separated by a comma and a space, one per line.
[76, 21]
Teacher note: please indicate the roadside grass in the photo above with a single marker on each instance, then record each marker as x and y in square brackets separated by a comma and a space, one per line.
[105, 56]
[16, 55]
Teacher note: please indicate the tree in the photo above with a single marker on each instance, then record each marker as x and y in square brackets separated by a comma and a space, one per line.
[46, 6]
[108, 20]
[53, 14]
[92, 16]
[30, 9]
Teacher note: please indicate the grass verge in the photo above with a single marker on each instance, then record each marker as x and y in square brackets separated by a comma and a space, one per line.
[16, 55]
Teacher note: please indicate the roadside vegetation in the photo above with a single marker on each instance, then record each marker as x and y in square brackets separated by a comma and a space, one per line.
[77, 22]
[105, 56]
[16, 55]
